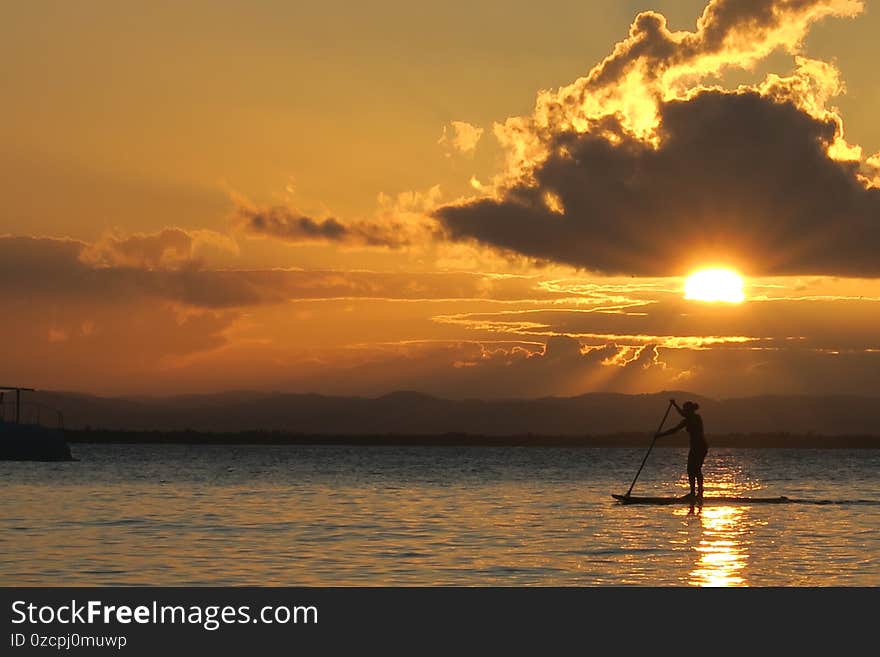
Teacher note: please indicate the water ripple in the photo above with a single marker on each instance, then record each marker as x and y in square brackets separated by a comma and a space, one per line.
[307, 515]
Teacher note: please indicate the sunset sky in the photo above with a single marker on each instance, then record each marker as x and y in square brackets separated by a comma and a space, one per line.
[485, 199]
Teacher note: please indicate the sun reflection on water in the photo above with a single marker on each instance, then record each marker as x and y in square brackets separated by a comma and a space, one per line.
[722, 556]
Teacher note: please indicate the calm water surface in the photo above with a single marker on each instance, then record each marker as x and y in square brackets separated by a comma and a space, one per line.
[291, 515]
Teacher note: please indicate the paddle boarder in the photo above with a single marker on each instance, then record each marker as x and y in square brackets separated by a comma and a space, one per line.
[693, 424]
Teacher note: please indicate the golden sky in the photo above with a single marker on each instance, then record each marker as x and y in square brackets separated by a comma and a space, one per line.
[473, 199]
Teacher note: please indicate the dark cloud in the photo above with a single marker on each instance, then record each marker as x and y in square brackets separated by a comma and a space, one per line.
[737, 178]
[278, 222]
[639, 168]
[170, 248]
[284, 224]
[46, 269]
[148, 251]
[118, 269]
[26, 261]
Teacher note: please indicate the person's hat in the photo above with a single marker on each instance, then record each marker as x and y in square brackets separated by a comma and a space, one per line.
[690, 406]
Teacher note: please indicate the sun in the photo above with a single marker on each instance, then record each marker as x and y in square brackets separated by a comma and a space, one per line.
[723, 285]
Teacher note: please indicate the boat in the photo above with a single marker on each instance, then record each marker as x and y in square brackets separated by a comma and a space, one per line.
[723, 500]
[30, 432]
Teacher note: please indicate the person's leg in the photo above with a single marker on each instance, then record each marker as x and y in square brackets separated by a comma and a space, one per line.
[692, 470]
[700, 473]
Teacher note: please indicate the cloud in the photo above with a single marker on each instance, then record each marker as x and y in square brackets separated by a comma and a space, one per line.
[738, 178]
[170, 248]
[162, 266]
[118, 270]
[70, 324]
[566, 366]
[562, 366]
[457, 334]
[460, 137]
[730, 33]
[811, 323]
[401, 222]
[653, 65]
[639, 169]
[288, 225]
[872, 169]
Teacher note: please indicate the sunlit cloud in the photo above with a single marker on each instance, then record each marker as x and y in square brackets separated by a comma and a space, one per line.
[460, 137]
[641, 168]
[872, 167]
[538, 330]
[654, 65]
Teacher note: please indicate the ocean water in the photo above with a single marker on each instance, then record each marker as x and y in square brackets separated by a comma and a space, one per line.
[305, 515]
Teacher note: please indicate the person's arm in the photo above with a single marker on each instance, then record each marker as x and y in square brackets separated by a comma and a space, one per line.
[673, 430]
[677, 407]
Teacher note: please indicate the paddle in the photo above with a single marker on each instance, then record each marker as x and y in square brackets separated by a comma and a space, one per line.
[644, 460]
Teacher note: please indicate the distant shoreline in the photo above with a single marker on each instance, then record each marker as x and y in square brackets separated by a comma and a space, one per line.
[751, 441]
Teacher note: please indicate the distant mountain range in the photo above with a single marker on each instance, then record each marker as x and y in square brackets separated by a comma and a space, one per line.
[412, 413]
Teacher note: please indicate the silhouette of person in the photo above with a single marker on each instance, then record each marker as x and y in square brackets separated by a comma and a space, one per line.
[693, 423]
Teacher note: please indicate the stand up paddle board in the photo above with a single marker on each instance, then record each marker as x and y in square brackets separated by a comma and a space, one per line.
[706, 501]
